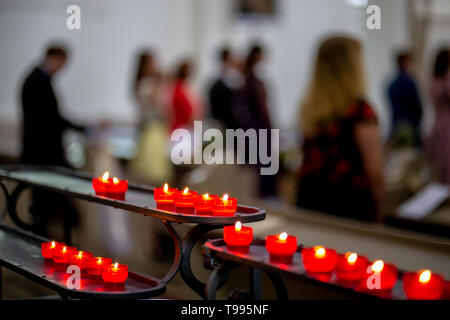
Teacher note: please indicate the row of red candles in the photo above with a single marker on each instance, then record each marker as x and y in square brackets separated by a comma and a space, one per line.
[348, 267]
[171, 199]
[94, 266]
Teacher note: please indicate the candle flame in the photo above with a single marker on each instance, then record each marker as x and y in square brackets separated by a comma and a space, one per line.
[351, 257]
[225, 197]
[425, 276]
[53, 244]
[166, 187]
[80, 254]
[319, 252]
[115, 180]
[116, 265]
[99, 261]
[283, 236]
[64, 249]
[206, 196]
[238, 226]
[186, 190]
[105, 176]
[378, 266]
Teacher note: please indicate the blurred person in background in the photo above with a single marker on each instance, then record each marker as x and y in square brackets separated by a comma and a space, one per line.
[223, 91]
[254, 114]
[438, 142]
[406, 106]
[342, 168]
[42, 133]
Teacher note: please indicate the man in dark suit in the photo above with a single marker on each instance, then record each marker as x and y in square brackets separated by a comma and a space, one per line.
[42, 133]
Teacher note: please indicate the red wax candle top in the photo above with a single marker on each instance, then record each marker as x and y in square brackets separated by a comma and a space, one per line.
[185, 198]
[96, 265]
[224, 206]
[115, 273]
[63, 254]
[423, 285]
[380, 276]
[281, 247]
[237, 235]
[351, 267]
[319, 259]
[80, 258]
[48, 248]
[165, 194]
[107, 185]
[204, 203]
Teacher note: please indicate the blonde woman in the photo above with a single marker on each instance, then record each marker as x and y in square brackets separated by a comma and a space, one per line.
[342, 169]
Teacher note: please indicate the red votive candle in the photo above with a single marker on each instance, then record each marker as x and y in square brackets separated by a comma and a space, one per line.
[351, 267]
[281, 247]
[164, 197]
[115, 273]
[225, 206]
[380, 276]
[204, 203]
[184, 201]
[112, 187]
[238, 237]
[423, 285]
[96, 265]
[80, 258]
[48, 248]
[63, 254]
[319, 259]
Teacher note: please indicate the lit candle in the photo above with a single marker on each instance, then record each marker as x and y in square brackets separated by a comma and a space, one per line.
[164, 197]
[238, 237]
[351, 267]
[80, 258]
[184, 201]
[48, 248]
[281, 247]
[115, 273]
[204, 203]
[423, 285]
[111, 187]
[319, 259]
[63, 254]
[224, 206]
[96, 265]
[380, 276]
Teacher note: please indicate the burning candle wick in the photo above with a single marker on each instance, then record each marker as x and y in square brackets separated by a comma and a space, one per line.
[378, 266]
[283, 236]
[115, 180]
[351, 258]
[425, 276]
[186, 191]
[319, 252]
[166, 188]
[238, 226]
[105, 176]
[225, 197]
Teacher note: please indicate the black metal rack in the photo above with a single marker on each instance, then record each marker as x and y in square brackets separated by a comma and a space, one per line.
[139, 199]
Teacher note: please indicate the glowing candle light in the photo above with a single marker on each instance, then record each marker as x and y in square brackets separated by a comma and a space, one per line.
[204, 203]
[351, 267]
[115, 273]
[238, 237]
[380, 276]
[96, 265]
[225, 206]
[80, 259]
[48, 248]
[319, 259]
[110, 187]
[423, 285]
[63, 255]
[281, 247]
[184, 201]
[164, 197]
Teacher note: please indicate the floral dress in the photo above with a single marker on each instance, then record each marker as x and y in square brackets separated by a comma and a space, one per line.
[332, 178]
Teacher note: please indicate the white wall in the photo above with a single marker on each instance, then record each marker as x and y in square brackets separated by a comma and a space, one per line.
[97, 81]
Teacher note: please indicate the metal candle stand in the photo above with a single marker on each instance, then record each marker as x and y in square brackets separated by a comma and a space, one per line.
[139, 199]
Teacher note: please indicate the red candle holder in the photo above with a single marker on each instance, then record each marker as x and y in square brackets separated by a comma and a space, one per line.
[225, 206]
[281, 247]
[48, 248]
[115, 273]
[111, 187]
[204, 203]
[319, 259]
[164, 197]
[184, 201]
[96, 265]
[351, 267]
[63, 254]
[237, 237]
[423, 285]
[80, 258]
[380, 276]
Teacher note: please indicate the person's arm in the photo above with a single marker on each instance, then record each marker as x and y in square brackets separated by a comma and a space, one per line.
[367, 137]
[69, 124]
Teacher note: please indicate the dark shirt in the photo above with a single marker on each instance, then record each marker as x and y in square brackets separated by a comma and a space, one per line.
[43, 126]
[332, 175]
[221, 102]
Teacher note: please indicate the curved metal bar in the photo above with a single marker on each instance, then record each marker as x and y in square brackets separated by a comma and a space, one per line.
[278, 284]
[6, 193]
[178, 253]
[219, 277]
[12, 208]
[185, 268]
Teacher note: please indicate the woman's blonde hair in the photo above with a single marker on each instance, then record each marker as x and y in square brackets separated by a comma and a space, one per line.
[337, 82]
